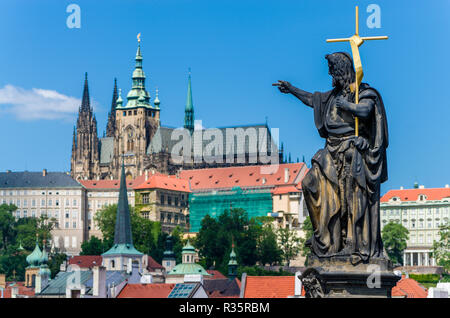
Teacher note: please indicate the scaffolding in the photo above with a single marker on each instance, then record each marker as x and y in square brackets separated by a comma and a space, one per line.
[256, 202]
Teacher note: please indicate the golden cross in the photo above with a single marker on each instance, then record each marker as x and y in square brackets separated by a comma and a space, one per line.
[355, 42]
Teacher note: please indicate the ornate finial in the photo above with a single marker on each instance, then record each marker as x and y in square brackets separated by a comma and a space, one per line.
[139, 37]
[189, 71]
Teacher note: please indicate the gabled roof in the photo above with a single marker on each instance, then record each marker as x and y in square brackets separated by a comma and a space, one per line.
[146, 291]
[287, 189]
[244, 177]
[413, 194]
[27, 179]
[409, 288]
[215, 274]
[152, 264]
[217, 288]
[164, 182]
[86, 261]
[269, 286]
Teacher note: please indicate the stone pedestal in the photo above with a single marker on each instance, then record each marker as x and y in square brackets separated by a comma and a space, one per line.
[336, 277]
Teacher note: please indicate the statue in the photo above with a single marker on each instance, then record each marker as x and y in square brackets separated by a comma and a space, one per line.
[342, 188]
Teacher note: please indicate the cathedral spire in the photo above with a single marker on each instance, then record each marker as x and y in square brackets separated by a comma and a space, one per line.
[85, 103]
[189, 110]
[111, 126]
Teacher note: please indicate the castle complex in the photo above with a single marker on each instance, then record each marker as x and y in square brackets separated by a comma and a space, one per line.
[134, 132]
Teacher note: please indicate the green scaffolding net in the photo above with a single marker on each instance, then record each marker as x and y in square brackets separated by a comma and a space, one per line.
[214, 203]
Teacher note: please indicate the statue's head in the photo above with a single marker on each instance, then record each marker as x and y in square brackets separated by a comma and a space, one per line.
[340, 65]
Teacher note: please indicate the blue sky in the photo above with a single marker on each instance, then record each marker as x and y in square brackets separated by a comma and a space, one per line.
[235, 49]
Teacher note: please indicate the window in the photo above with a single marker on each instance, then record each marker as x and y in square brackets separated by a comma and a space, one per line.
[146, 215]
[24, 213]
[50, 202]
[43, 202]
[176, 201]
[113, 263]
[135, 112]
[124, 113]
[66, 241]
[33, 202]
[162, 199]
[145, 198]
[57, 214]
[18, 203]
[25, 202]
[33, 213]
[74, 214]
[169, 200]
[67, 225]
[57, 202]
[67, 202]
[17, 214]
[74, 202]
[67, 214]
[74, 225]
[413, 224]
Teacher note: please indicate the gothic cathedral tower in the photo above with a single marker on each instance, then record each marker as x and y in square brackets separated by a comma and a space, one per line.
[85, 163]
[136, 123]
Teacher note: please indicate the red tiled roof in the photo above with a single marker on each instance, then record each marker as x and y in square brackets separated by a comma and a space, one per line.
[146, 291]
[86, 261]
[164, 182]
[217, 294]
[215, 274]
[269, 286]
[285, 189]
[245, 176]
[152, 264]
[413, 194]
[24, 291]
[110, 184]
[410, 288]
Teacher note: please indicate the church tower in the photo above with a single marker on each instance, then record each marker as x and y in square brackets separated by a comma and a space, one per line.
[189, 110]
[136, 123]
[111, 126]
[85, 162]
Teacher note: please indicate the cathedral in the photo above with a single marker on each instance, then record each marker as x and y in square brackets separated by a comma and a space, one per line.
[134, 134]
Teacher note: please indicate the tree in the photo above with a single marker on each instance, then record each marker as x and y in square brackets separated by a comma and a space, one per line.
[268, 250]
[145, 232]
[394, 238]
[290, 244]
[94, 246]
[441, 248]
[7, 225]
[308, 232]
[55, 262]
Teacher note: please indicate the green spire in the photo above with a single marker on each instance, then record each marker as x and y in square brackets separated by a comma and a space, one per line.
[123, 240]
[232, 264]
[189, 110]
[35, 257]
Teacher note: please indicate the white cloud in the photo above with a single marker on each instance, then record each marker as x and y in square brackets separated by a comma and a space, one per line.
[37, 103]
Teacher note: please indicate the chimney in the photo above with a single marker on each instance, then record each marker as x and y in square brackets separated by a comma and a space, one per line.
[286, 175]
[146, 175]
[14, 291]
[298, 284]
[153, 171]
[99, 281]
[135, 277]
[3, 281]
[44, 172]
[421, 186]
[401, 188]
[63, 266]
[8, 171]
[446, 185]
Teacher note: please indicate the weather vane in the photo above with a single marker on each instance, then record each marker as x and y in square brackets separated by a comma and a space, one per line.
[139, 37]
[355, 42]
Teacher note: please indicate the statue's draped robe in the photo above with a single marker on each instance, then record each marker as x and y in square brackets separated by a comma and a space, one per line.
[342, 188]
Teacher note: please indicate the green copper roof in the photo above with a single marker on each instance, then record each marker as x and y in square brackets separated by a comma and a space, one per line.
[188, 269]
[35, 257]
[232, 257]
[123, 240]
[189, 110]
[138, 95]
[188, 248]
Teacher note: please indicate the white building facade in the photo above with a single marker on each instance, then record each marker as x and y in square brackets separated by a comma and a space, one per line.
[422, 211]
[54, 194]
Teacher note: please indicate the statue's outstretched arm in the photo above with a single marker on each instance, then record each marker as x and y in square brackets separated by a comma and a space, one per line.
[287, 88]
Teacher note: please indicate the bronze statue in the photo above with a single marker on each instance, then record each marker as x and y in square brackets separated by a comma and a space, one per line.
[342, 188]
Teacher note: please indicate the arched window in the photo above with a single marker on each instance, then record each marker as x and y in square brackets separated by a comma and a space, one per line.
[113, 264]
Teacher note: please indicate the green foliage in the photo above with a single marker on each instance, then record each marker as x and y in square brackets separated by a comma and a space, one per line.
[441, 248]
[258, 271]
[145, 232]
[425, 278]
[308, 232]
[290, 244]
[255, 240]
[94, 246]
[55, 261]
[394, 238]
[13, 265]
[7, 225]
[177, 239]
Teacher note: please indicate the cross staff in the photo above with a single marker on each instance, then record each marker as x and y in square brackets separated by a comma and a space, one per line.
[355, 42]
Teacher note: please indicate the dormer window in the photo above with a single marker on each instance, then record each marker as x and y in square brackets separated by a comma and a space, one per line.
[422, 197]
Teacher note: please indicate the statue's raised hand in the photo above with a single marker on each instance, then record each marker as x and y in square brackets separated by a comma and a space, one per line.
[283, 86]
